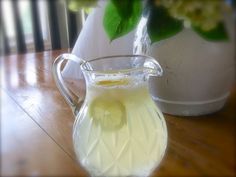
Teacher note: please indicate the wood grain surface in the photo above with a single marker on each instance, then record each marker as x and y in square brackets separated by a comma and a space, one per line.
[36, 128]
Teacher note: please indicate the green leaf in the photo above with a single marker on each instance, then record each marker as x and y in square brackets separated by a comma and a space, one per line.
[123, 7]
[219, 33]
[117, 22]
[161, 25]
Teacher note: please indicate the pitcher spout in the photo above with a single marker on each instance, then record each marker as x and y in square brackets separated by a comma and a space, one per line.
[152, 67]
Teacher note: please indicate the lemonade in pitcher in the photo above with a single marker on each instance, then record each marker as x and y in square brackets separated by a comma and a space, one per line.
[123, 133]
[118, 130]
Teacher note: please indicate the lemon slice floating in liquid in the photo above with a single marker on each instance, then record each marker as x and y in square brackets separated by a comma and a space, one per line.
[113, 82]
[109, 113]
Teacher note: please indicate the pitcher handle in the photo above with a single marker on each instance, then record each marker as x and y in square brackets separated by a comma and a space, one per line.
[71, 98]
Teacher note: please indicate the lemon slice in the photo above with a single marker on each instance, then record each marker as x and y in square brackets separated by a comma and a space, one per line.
[113, 82]
[109, 113]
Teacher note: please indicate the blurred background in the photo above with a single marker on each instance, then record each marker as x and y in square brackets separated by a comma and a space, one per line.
[37, 25]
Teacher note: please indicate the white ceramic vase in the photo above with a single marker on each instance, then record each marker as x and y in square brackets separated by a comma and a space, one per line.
[198, 74]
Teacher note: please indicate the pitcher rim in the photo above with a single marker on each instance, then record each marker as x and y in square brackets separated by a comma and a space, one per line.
[118, 71]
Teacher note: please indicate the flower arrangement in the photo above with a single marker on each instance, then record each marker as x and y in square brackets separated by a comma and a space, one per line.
[165, 18]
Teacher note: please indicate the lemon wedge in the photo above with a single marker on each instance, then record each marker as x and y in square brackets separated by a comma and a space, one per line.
[109, 113]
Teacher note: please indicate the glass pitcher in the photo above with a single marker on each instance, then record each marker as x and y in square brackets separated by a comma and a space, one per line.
[118, 130]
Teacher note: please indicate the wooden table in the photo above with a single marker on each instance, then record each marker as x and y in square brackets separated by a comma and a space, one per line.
[36, 128]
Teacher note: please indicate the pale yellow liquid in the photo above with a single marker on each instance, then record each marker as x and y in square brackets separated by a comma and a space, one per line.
[135, 143]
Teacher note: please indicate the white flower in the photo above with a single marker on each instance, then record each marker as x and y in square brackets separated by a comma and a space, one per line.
[205, 14]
